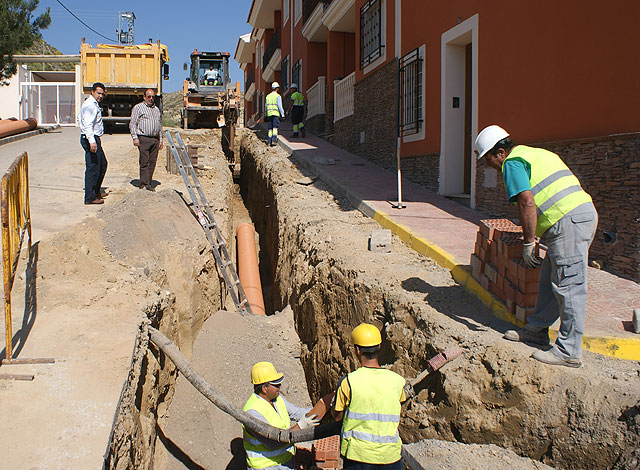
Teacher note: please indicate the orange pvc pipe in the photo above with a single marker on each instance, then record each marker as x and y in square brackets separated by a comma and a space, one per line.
[9, 127]
[248, 271]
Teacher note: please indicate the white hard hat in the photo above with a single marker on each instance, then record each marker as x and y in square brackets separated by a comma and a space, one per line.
[294, 85]
[275, 85]
[488, 138]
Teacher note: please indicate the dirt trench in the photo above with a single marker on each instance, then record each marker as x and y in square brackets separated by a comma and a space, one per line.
[314, 248]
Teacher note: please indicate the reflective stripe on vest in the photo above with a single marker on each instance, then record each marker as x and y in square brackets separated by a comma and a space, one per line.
[272, 104]
[298, 98]
[556, 191]
[258, 454]
[370, 425]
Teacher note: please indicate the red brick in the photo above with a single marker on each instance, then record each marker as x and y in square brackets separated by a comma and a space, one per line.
[511, 305]
[502, 267]
[527, 274]
[525, 300]
[522, 313]
[509, 291]
[490, 272]
[528, 287]
[493, 252]
[512, 271]
[327, 464]
[485, 282]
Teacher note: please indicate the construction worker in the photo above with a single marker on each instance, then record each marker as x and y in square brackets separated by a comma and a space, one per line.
[552, 205]
[368, 402]
[266, 404]
[212, 75]
[297, 111]
[274, 112]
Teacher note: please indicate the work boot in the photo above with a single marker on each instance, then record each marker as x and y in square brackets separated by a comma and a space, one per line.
[304, 133]
[548, 357]
[524, 335]
[295, 134]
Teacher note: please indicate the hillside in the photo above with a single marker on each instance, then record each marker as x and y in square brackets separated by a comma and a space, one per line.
[171, 108]
[39, 47]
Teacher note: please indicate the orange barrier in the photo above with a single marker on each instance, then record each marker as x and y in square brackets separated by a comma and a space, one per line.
[10, 127]
[248, 271]
[16, 221]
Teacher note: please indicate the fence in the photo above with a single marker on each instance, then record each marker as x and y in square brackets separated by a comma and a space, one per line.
[343, 96]
[16, 221]
[316, 98]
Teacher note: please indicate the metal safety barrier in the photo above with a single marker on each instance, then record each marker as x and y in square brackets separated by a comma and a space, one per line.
[16, 223]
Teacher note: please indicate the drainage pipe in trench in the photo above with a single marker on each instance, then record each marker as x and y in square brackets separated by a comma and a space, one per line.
[286, 436]
[248, 271]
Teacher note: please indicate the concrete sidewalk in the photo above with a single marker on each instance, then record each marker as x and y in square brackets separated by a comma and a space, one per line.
[446, 232]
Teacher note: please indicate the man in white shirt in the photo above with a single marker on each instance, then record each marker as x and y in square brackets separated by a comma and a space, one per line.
[211, 76]
[92, 128]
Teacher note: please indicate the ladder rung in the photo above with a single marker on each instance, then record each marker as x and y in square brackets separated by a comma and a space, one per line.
[228, 263]
[235, 283]
[218, 245]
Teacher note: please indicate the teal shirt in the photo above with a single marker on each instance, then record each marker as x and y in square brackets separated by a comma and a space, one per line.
[516, 174]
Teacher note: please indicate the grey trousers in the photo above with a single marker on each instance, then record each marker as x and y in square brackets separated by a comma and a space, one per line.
[562, 286]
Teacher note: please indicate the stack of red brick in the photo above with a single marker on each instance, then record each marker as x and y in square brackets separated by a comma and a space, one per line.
[497, 265]
[326, 452]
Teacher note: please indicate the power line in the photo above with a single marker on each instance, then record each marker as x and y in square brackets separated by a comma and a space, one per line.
[72, 14]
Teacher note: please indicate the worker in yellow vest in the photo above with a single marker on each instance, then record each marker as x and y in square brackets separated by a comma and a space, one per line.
[551, 205]
[368, 402]
[297, 111]
[275, 111]
[266, 404]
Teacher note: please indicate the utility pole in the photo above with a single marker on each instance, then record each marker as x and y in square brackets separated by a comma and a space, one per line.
[126, 20]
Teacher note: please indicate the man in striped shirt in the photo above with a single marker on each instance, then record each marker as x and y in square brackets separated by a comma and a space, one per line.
[146, 131]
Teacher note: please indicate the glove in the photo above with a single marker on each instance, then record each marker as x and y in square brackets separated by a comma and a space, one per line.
[308, 421]
[529, 258]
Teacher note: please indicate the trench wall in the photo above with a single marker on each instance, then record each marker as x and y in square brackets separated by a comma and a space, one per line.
[179, 260]
[493, 394]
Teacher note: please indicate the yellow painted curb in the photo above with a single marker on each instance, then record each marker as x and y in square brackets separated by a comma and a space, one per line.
[621, 348]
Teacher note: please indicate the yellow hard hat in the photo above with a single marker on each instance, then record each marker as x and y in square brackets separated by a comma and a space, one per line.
[264, 372]
[366, 335]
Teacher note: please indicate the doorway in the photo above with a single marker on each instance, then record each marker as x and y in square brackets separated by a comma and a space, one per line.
[459, 111]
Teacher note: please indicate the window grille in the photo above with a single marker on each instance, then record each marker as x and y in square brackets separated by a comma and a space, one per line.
[296, 76]
[410, 93]
[370, 32]
[298, 10]
[284, 74]
[285, 11]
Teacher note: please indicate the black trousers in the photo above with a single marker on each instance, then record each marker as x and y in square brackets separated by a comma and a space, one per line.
[148, 148]
[95, 168]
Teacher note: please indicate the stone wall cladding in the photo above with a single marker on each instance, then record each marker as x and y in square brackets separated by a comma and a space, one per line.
[315, 124]
[492, 394]
[609, 170]
[422, 169]
[344, 134]
[375, 112]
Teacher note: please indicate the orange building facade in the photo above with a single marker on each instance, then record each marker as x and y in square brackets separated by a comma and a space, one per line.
[418, 79]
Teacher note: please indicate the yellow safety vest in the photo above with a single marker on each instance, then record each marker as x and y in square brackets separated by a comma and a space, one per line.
[272, 104]
[258, 454]
[556, 190]
[298, 98]
[370, 425]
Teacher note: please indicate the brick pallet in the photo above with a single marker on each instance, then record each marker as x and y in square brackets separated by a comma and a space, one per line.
[497, 265]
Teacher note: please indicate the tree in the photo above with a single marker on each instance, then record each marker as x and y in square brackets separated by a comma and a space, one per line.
[18, 30]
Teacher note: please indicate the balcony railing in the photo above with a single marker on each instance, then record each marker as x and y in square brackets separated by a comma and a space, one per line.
[250, 77]
[271, 48]
[316, 98]
[343, 97]
[309, 5]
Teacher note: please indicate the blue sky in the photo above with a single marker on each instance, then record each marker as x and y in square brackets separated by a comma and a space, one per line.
[212, 25]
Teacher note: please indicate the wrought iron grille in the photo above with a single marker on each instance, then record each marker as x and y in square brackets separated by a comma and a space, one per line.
[284, 74]
[296, 76]
[271, 48]
[370, 32]
[410, 93]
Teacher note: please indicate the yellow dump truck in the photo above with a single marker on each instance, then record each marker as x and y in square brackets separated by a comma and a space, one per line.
[126, 72]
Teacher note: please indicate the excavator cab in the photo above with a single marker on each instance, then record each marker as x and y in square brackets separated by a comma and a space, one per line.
[210, 71]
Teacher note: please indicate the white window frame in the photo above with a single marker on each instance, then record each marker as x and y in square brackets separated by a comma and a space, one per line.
[298, 10]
